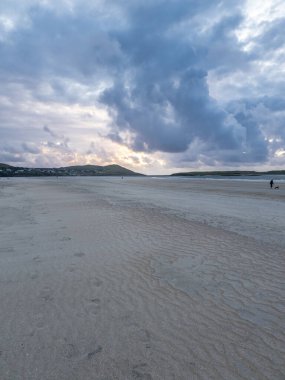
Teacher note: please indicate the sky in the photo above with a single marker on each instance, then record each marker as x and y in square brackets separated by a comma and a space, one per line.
[157, 86]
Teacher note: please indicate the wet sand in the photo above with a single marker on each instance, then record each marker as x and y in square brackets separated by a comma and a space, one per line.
[141, 278]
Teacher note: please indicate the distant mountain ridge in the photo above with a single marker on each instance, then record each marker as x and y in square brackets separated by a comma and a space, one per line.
[78, 170]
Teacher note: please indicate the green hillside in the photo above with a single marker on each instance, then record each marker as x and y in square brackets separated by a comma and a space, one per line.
[84, 170]
[100, 170]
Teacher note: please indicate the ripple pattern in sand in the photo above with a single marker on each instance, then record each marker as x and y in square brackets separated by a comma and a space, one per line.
[125, 292]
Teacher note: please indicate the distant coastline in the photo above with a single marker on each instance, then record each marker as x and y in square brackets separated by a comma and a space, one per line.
[230, 173]
[117, 170]
[84, 170]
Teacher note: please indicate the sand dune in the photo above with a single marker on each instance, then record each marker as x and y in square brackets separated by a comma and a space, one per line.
[141, 279]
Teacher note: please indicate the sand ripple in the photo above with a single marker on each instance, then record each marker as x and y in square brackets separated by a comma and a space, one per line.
[93, 288]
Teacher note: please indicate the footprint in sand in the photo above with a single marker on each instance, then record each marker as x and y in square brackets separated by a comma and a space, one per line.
[97, 282]
[69, 351]
[140, 334]
[95, 300]
[46, 294]
[79, 254]
[34, 276]
[92, 354]
[65, 238]
[39, 321]
[37, 259]
[72, 268]
[93, 306]
[139, 372]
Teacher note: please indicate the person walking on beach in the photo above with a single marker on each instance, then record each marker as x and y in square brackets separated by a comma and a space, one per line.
[271, 183]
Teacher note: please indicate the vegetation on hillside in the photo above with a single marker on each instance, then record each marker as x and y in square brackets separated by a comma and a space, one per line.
[84, 170]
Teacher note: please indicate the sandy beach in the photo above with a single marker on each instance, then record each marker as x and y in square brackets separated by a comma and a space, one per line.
[141, 278]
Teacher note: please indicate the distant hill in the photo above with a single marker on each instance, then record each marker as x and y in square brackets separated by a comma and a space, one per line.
[229, 173]
[101, 170]
[80, 170]
[5, 166]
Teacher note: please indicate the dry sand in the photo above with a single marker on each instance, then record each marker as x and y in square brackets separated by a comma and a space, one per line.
[103, 278]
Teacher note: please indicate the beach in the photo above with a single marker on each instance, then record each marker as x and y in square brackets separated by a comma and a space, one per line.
[141, 278]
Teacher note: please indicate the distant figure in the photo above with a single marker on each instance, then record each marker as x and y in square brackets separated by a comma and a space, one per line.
[271, 183]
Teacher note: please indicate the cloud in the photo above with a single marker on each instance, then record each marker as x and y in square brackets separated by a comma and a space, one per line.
[168, 115]
[14, 154]
[271, 37]
[161, 96]
[49, 131]
[186, 79]
[30, 148]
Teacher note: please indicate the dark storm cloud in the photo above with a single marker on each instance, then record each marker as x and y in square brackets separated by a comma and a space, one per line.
[162, 96]
[150, 62]
[67, 44]
[45, 56]
[263, 118]
[223, 52]
[167, 116]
